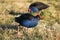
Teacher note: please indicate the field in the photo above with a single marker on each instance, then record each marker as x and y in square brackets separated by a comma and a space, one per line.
[47, 29]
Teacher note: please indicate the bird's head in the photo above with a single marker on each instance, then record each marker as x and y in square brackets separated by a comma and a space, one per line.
[34, 11]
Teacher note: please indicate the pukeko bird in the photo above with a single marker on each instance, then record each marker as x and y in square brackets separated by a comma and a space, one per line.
[27, 20]
[36, 7]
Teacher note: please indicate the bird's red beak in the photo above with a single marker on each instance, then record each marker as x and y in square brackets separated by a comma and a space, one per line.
[40, 16]
[29, 10]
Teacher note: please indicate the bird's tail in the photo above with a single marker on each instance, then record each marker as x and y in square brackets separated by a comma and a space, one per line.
[16, 19]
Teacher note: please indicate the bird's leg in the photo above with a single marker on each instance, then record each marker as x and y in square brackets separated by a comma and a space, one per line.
[18, 29]
[18, 32]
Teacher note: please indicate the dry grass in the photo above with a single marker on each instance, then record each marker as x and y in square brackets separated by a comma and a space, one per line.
[47, 29]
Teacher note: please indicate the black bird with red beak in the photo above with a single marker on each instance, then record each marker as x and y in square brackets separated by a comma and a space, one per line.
[36, 7]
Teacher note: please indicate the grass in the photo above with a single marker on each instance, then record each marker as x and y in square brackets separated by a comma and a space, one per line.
[47, 29]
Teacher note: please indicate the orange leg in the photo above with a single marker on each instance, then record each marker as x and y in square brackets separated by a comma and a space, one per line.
[18, 32]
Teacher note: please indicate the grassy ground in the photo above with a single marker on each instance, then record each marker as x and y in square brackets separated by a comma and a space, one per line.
[47, 29]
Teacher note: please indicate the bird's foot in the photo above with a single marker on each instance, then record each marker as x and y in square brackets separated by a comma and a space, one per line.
[19, 35]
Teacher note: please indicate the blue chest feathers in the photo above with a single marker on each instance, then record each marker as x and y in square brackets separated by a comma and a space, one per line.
[30, 23]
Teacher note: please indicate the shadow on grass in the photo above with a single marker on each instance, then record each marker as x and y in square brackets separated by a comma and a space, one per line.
[8, 26]
[12, 12]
